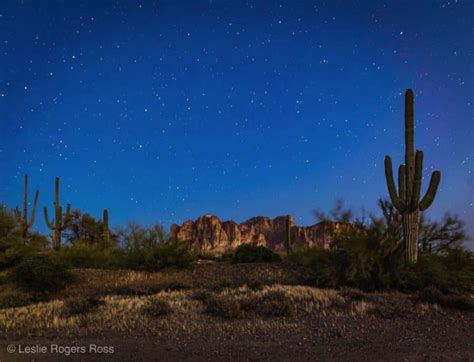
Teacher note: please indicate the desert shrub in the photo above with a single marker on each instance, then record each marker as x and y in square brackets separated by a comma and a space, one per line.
[323, 266]
[13, 253]
[80, 305]
[224, 306]
[172, 253]
[450, 272]
[12, 299]
[453, 301]
[148, 249]
[369, 258]
[155, 307]
[9, 232]
[397, 306]
[40, 273]
[82, 255]
[269, 304]
[201, 295]
[250, 253]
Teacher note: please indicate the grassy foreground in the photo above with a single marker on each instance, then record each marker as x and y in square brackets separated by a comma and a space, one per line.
[212, 310]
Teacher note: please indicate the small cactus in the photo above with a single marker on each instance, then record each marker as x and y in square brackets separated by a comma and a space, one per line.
[57, 225]
[23, 218]
[407, 200]
[105, 226]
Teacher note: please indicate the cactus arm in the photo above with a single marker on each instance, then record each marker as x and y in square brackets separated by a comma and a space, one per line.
[431, 192]
[46, 218]
[401, 182]
[397, 202]
[33, 211]
[415, 197]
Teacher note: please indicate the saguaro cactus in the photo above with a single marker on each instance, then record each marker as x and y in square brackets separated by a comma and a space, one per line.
[23, 218]
[57, 225]
[407, 200]
[105, 226]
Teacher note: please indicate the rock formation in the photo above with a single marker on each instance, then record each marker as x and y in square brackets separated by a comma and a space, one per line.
[209, 233]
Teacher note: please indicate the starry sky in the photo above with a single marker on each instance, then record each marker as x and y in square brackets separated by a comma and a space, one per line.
[162, 111]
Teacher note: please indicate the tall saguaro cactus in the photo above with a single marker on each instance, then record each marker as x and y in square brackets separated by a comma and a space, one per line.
[57, 225]
[407, 200]
[23, 218]
[105, 226]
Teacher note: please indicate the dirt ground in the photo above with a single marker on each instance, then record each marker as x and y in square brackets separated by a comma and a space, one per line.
[444, 338]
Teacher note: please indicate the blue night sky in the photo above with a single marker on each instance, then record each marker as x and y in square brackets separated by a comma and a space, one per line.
[162, 111]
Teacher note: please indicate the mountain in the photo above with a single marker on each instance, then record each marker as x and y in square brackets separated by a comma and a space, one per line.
[209, 233]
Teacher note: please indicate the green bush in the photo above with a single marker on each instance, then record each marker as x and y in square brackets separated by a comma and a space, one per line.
[450, 272]
[323, 266]
[149, 249]
[368, 268]
[166, 254]
[250, 253]
[173, 253]
[13, 254]
[82, 255]
[40, 273]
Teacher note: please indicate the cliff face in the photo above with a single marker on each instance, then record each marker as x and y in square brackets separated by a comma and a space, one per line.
[209, 233]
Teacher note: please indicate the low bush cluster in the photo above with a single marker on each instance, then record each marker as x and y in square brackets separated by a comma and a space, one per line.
[266, 304]
[250, 253]
[453, 301]
[360, 267]
[40, 274]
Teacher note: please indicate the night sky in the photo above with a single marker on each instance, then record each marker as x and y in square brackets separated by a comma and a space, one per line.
[162, 111]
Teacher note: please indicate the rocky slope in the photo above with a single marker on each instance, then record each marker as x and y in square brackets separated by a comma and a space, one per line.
[209, 233]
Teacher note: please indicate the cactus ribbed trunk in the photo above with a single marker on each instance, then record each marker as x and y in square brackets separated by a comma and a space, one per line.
[56, 239]
[410, 235]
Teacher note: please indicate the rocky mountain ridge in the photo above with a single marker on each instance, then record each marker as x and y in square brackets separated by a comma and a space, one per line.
[209, 233]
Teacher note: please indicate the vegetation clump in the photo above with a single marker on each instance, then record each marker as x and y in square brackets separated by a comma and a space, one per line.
[156, 307]
[80, 305]
[250, 253]
[12, 298]
[40, 274]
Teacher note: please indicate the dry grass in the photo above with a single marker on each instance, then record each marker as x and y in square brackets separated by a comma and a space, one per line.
[181, 302]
